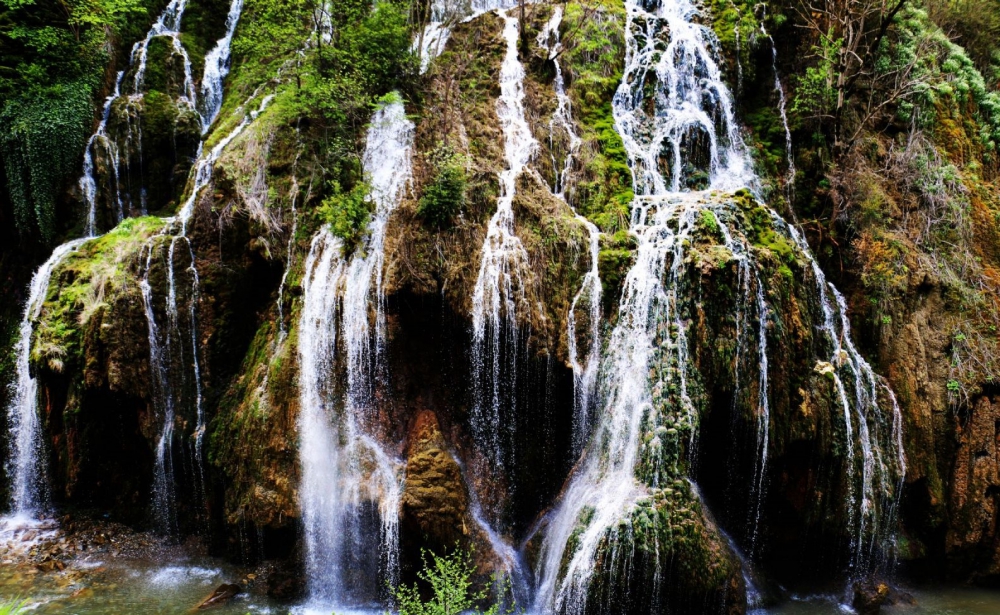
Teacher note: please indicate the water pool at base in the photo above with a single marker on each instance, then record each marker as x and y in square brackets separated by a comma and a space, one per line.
[170, 585]
[103, 587]
[938, 601]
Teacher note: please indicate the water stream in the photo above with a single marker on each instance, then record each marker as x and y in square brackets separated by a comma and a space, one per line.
[588, 299]
[686, 152]
[351, 485]
[499, 294]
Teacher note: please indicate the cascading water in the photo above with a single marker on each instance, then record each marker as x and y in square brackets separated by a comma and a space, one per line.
[782, 103]
[431, 41]
[499, 292]
[216, 69]
[166, 25]
[681, 142]
[870, 520]
[26, 465]
[168, 389]
[588, 298]
[350, 486]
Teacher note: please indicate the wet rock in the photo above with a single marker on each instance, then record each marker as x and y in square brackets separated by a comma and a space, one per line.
[222, 594]
[436, 504]
[869, 597]
[285, 584]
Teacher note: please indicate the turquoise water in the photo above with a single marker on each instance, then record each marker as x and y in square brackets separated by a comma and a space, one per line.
[106, 586]
[102, 587]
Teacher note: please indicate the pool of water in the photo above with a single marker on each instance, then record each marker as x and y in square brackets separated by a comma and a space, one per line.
[939, 601]
[103, 587]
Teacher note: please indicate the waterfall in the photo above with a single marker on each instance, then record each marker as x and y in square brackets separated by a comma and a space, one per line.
[88, 182]
[782, 104]
[167, 391]
[216, 69]
[685, 151]
[499, 290]
[26, 465]
[589, 295]
[350, 485]
[431, 41]
[167, 24]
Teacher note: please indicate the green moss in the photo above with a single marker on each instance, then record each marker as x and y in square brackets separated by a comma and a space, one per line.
[85, 282]
[614, 261]
[593, 61]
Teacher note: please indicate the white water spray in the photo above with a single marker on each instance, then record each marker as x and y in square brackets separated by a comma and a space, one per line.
[216, 68]
[350, 483]
[26, 465]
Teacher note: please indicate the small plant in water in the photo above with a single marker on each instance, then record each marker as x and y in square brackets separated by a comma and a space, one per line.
[449, 578]
[12, 607]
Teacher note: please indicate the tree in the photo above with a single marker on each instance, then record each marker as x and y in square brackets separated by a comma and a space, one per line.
[849, 37]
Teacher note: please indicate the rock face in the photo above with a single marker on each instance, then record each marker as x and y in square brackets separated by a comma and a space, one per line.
[234, 425]
[436, 512]
[972, 541]
[435, 499]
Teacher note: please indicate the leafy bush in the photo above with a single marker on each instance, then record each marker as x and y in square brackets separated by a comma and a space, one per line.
[444, 197]
[41, 139]
[347, 213]
[451, 589]
[369, 56]
[54, 58]
[973, 24]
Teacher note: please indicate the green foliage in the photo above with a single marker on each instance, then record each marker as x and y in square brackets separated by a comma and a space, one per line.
[41, 138]
[83, 284]
[13, 607]
[974, 24]
[816, 94]
[444, 196]
[946, 80]
[593, 58]
[449, 579]
[347, 212]
[54, 59]
[369, 56]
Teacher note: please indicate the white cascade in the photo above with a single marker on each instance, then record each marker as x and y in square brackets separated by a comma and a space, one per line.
[499, 290]
[216, 68]
[26, 465]
[688, 137]
[588, 298]
[431, 41]
[167, 24]
[351, 486]
[167, 387]
[782, 112]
